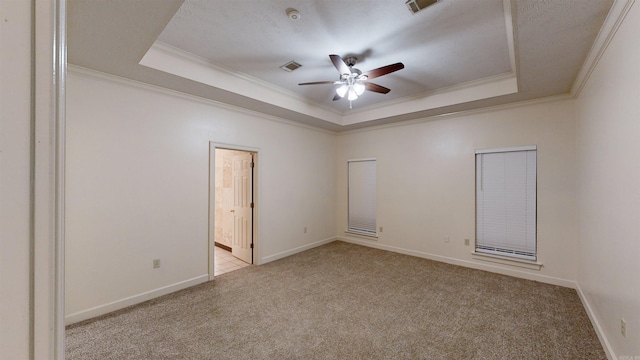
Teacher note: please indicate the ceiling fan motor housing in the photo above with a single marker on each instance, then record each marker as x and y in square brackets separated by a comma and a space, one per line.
[350, 60]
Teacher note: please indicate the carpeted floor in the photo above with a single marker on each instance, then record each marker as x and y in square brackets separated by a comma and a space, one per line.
[344, 301]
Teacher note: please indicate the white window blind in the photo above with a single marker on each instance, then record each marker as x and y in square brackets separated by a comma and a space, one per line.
[506, 202]
[362, 196]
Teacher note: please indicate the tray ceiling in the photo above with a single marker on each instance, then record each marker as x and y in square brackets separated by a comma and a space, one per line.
[458, 54]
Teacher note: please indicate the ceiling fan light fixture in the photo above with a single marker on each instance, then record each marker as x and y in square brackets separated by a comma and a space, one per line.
[353, 83]
[352, 94]
[342, 90]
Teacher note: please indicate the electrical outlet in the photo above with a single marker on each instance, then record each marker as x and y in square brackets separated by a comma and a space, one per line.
[305, 229]
[156, 263]
[623, 327]
[446, 239]
[380, 228]
[466, 242]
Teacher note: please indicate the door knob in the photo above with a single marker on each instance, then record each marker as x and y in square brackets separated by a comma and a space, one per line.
[233, 211]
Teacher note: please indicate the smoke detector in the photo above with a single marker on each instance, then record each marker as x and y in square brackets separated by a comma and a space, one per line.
[293, 14]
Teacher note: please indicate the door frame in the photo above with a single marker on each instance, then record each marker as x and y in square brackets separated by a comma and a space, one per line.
[256, 199]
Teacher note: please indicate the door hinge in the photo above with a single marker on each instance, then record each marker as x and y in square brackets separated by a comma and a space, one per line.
[252, 205]
[252, 164]
[252, 245]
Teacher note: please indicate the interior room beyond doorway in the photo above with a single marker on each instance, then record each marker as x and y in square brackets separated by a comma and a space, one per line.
[233, 208]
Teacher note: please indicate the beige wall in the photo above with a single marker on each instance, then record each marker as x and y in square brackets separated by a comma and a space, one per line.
[15, 171]
[608, 112]
[426, 184]
[27, 170]
[138, 182]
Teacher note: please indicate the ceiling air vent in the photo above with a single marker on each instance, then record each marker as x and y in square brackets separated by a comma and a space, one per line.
[417, 5]
[290, 66]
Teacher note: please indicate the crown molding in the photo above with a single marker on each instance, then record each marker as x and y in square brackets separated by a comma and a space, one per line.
[502, 84]
[169, 59]
[90, 73]
[453, 115]
[614, 19]
[175, 61]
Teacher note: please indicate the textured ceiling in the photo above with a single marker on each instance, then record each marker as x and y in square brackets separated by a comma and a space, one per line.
[445, 47]
[449, 43]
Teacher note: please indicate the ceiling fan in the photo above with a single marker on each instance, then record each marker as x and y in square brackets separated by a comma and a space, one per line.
[354, 82]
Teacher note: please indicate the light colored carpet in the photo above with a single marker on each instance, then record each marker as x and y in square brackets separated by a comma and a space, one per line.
[344, 301]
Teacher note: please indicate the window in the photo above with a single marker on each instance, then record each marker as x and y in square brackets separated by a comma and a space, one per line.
[362, 197]
[506, 202]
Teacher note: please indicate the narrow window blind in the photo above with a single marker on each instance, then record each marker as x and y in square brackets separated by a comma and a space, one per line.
[506, 202]
[362, 196]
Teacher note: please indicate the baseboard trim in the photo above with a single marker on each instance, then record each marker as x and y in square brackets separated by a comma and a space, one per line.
[132, 300]
[222, 246]
[491, 267]
[596, 324]
[302, 248]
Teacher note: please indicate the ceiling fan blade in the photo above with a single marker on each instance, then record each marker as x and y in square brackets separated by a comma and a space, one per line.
[318, 83]
[336, 97]
[340, 64]
[376, 88]
[372, 74]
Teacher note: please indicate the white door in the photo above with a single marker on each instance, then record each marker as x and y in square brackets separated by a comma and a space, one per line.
[241, 246]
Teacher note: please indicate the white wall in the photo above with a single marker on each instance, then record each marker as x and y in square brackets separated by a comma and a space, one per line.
[426, 184]
[15, 171]
[27, 170]
[137, 188]
[608, 111]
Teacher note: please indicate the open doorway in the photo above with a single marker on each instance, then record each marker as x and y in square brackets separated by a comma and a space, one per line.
[232, 206]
